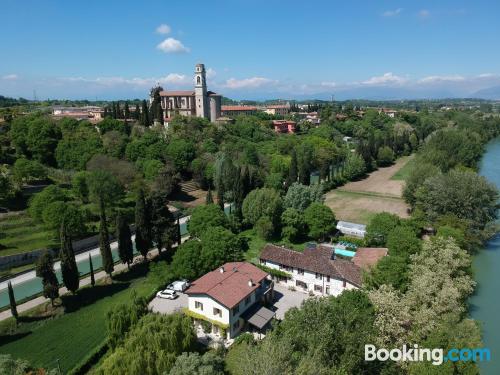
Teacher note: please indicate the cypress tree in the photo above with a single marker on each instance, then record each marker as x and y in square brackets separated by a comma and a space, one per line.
[161, 221]
[12, 301]
[125, 247]
[114, 110]
[142, 225]
[209, 199]
[118, 110]
[238, 193]
[45, 270]
[92, 277]
[137, 112]
[178, 234]
[127, 111]
[144, 114]
[292, 174]
[69, 269]
[104, 246]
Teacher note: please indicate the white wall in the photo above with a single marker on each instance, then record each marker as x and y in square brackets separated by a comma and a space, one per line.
[228, 316]
[335, 285]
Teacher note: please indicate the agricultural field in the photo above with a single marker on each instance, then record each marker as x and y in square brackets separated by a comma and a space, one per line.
[71, 336]
[381, 191]
[20, 234]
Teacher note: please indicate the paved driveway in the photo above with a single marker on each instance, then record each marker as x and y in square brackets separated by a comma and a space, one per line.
[168, 306]
[285, 299]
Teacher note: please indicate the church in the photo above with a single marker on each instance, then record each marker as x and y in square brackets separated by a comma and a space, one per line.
[198, 102]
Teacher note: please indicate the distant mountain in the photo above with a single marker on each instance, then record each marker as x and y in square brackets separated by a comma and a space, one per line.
[492, 93]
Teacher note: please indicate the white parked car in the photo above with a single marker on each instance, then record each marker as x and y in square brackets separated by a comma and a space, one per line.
[179, 285]
[167, 294]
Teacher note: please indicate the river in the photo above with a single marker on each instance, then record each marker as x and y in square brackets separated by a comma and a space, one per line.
[485, 303]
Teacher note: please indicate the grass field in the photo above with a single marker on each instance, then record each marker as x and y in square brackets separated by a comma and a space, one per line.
[21, 234]
[71, 336]
[403, 173]
[380, 191]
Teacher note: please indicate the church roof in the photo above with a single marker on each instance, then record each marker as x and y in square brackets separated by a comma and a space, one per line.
[177, 93]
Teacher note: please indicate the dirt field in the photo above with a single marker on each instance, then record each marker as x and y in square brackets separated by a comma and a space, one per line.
[380, 181]
[358, 201]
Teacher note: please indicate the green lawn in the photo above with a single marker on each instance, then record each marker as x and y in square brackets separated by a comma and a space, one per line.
[21, 234]
[404, 172]
[71, 336]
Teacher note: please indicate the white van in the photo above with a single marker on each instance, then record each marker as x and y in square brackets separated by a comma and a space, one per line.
[179, 286]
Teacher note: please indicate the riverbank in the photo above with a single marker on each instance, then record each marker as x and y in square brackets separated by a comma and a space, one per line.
[484, 305]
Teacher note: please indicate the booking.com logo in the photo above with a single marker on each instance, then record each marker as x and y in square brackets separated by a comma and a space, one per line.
[436, 356]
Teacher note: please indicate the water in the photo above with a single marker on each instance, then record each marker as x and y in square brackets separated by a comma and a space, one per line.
[485, 304]
[34, 286]
[346, 253]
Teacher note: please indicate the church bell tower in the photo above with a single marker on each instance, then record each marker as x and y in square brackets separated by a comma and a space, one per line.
[200, 91]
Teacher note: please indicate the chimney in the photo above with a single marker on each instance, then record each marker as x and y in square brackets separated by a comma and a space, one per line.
[221, 269]
[250, 283]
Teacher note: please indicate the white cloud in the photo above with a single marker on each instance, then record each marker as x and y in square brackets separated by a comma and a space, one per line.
[328, 84]
[387, 78]
[171, 45]
[392, 13]
[10, 77]
[163, 29]
[174, 79]
[424, 13]
[254, 82]
[211, 73]
[436, 79]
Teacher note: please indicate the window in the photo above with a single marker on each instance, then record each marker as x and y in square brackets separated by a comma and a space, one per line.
[236, 309]
[328, 279]
[318, 288]
[301, 284]
[344, 284]
[217, 312]
[319, 276]
[198, 305]
[247, 300]
[300, 271]
[236, 324]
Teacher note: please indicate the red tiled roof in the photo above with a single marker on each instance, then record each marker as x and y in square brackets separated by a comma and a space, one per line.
[238, 108]
[277, 106]
[177, 93]
[231, 286]
[367, 257]
[318, 260]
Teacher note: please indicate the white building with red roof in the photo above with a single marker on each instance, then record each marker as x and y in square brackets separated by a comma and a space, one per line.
[230, 298]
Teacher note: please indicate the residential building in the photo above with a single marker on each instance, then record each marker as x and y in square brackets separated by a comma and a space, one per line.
[316, 270]
[284, 126]
[351, 229]
[198, 102]
[236, 110]
[389, 112]
[278, 110]
[230, 298]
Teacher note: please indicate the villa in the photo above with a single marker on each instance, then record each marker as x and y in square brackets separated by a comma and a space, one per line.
[230, 299]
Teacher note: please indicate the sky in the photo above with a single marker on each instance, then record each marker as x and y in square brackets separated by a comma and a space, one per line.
[252, 49]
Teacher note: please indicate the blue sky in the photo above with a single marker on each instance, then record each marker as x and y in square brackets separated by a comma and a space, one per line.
[253, 49]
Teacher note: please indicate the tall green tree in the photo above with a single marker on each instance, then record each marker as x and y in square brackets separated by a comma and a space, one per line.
[178, 232]
[209, 199]
[143, 241]
[12, 300]
[104, 246]
[124, 237]
[126, 111]
[69, 269]
[45, 270]
[293, 171]
[92, 277]
[320, 220]
[161, 221]
[145, 114]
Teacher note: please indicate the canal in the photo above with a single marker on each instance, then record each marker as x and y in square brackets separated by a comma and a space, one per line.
[485, 303]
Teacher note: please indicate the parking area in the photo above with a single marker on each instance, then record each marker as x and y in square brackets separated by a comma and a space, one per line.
[285, 299]
[168, 306]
